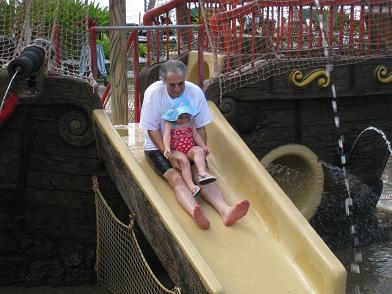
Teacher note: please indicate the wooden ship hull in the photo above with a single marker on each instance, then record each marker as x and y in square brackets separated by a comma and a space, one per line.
[48, 156]
[51, 148]
[282, 110]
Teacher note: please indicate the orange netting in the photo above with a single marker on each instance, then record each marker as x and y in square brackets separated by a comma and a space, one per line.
[262, 38]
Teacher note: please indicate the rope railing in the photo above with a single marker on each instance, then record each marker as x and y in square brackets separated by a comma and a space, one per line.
[264, 38]
[121, 266]
[283, 27]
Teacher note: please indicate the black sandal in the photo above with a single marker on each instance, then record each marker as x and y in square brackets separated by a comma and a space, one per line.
[204, 180]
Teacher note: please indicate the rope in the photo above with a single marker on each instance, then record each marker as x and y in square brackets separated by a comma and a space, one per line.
[121, 266]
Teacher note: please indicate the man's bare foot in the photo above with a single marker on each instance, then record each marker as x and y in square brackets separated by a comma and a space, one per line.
[236, 212]
[200, 218]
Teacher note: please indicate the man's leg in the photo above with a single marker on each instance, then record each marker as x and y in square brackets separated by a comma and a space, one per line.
[213, 196]
[183, 196]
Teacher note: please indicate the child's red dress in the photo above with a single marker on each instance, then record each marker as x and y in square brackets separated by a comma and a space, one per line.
[182, 139]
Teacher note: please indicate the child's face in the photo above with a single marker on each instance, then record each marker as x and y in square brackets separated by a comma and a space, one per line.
[183, 118]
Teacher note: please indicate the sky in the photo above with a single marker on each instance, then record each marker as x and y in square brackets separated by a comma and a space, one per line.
[133, 7]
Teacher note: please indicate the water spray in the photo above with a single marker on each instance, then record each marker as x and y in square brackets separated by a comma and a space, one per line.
[380, 132]
[354, 266]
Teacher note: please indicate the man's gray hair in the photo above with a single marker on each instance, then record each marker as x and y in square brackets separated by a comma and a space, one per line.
[172, 66]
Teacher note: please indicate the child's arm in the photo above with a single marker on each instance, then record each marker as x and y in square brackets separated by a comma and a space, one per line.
[166, 138]
[199, 140]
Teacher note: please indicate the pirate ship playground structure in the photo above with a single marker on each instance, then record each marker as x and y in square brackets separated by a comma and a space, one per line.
[290, 84]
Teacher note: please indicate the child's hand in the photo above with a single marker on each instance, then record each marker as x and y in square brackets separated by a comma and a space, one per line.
[206, 150]
[167, 153]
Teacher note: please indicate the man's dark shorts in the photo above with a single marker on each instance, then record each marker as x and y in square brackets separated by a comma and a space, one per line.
[157, 161]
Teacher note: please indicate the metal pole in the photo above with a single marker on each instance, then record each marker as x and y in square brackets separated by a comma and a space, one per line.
[145, 28]
[93, 50]
[136, 93]
[200, 57]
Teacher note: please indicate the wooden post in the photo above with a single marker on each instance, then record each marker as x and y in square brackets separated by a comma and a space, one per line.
[118, 64]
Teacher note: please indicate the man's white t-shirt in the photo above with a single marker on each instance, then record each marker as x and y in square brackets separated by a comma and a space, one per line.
[157, 101]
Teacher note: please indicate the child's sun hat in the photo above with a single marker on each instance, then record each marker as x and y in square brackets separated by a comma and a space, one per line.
[181, 105]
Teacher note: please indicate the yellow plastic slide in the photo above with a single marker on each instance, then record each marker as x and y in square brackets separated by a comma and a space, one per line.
[272, 249]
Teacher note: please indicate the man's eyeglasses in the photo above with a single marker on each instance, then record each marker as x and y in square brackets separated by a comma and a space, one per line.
[173, 85]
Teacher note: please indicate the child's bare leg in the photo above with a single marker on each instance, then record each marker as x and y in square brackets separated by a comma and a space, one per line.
[180, 161]
[198, 155]
[185, 198]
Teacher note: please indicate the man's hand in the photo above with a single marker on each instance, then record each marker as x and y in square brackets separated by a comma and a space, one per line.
[167, 153]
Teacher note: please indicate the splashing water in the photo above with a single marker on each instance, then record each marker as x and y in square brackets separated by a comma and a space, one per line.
[371, 128]
[375, 266]
[285, 174]
[292, 181]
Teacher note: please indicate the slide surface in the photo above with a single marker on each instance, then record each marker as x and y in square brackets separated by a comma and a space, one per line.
[271, 250]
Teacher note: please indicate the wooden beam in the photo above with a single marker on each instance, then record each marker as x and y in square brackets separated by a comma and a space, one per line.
[118, 63]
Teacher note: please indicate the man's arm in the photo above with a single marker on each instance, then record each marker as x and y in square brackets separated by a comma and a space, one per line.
[198, 138]
[204, 117]
[202, 132]
[150, 117]
[156, 138]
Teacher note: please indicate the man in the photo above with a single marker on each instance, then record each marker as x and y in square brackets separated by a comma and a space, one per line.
[158, 98]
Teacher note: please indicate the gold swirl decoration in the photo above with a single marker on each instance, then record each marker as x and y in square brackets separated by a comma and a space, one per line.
[382, 74]
[297, 80]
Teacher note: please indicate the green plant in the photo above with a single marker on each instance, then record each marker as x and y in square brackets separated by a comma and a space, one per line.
[100, 15]
[142, 50]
